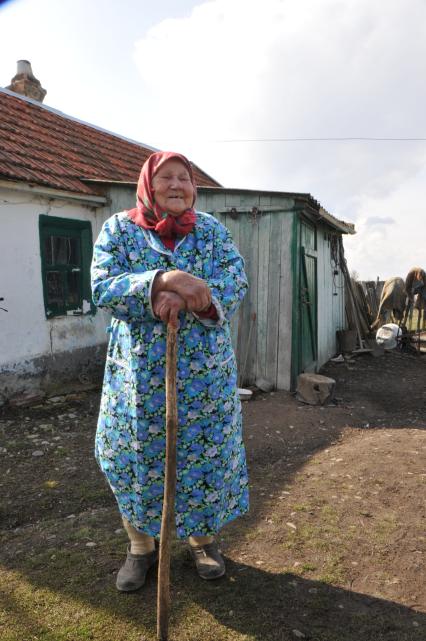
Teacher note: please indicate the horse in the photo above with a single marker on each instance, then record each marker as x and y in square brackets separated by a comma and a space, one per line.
[392, 300]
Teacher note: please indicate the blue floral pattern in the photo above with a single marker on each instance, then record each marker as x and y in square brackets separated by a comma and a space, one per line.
[212, 484]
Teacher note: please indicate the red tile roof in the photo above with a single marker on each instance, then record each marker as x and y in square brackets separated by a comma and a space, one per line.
[46, 147]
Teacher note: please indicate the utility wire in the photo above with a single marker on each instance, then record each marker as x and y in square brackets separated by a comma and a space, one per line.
[355, 139]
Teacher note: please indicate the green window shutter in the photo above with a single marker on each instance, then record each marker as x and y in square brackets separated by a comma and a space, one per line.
[65, 250]
[86, 259]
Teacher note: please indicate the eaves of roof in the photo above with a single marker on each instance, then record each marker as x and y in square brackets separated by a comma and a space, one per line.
[53, 193]
[305, 201]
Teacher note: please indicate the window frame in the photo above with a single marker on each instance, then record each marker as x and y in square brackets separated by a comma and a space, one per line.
[69, 228]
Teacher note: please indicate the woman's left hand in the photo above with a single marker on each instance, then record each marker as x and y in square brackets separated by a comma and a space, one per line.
[167, 305]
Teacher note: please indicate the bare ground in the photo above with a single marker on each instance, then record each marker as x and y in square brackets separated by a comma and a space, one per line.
[332, 550]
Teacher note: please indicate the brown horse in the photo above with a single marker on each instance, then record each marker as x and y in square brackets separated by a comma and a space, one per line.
[392, 301]
[415, 285]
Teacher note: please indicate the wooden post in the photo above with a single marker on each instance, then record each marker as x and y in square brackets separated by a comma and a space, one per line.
[346, 275]
[168, 514]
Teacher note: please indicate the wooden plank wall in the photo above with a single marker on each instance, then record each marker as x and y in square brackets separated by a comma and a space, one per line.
[331, 298]
[286, 298]
[121, 198]
[261, 332]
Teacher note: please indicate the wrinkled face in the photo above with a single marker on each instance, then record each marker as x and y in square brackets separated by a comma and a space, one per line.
[173, 190]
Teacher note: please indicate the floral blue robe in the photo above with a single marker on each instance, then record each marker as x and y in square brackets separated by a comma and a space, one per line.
[212, 484]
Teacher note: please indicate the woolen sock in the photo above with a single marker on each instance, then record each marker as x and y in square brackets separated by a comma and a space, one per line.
[194, 541]
[140, 543]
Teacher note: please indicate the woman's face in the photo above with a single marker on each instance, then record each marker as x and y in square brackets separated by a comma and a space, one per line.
[173, 189]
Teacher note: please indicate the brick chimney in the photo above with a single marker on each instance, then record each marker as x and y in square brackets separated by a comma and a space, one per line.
[25, 83]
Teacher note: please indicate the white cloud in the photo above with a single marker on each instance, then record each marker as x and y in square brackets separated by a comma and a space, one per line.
[380, 220]
[387, 250]
[281, 68]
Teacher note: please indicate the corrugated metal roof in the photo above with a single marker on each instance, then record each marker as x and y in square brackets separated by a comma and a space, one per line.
[43, 146]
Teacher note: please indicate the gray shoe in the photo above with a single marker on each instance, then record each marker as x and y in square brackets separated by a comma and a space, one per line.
[208, 561]
[132, 574]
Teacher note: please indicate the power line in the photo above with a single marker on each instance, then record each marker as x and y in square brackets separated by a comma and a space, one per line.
[346, 139]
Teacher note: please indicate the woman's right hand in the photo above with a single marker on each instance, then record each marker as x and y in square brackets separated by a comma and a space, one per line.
[194, 291]
[167, 305]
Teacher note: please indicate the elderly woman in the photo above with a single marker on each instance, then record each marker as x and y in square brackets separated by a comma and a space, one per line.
[158, 263]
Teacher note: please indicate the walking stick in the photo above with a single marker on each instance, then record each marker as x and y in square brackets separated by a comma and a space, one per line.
[168, 515]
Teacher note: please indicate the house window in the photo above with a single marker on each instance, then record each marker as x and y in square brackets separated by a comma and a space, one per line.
[66, 251]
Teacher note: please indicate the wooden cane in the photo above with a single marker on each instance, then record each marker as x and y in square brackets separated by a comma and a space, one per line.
[168, 515]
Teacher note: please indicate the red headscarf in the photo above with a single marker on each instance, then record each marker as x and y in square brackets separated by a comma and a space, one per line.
[147, 213]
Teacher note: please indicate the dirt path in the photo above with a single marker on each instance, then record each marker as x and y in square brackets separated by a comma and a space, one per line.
[333, 548]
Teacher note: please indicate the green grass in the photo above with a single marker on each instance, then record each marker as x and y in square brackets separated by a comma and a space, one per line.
[62, 591]
[300, 507]
[384, 528]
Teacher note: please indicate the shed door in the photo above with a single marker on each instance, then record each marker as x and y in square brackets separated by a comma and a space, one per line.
[308, 299]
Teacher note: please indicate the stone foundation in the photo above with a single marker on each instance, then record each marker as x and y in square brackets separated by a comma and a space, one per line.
[52, 374]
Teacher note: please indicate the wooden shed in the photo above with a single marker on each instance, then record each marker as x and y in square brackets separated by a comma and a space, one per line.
[287, 323]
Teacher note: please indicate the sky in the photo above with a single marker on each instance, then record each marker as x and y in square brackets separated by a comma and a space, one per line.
[232, 84]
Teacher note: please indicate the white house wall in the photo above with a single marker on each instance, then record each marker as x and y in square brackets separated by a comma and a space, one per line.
[27, 338]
